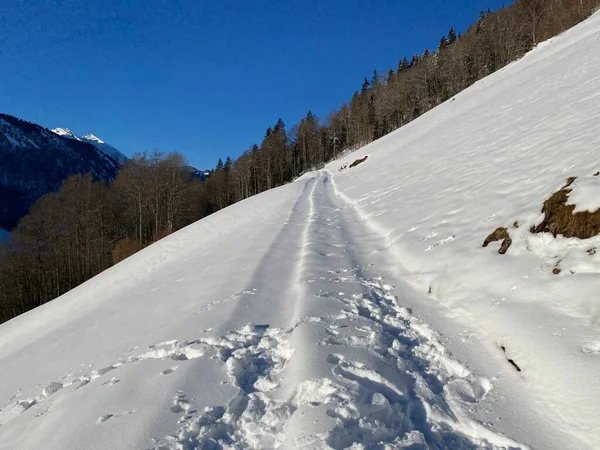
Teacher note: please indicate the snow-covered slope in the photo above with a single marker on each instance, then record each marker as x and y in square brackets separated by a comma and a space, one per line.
[105, 148]
[352, 308]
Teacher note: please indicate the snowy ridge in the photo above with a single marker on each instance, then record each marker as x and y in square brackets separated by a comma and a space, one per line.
[105, 148]
[35, 161]
[91, 137]
[65, 132]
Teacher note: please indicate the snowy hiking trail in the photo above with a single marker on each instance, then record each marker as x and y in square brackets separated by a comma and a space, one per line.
[387, 378]
[318, 350]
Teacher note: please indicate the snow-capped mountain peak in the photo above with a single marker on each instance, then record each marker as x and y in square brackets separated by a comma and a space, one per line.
[92, 137]
[102, 146]
[65, 132]
[35, 161]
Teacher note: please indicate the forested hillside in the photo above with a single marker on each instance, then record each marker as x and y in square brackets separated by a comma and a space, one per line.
[34, 161]
[88, 226]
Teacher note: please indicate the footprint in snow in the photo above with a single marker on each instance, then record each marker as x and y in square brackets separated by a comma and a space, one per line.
[592, 348]
[441, 242]
[333, 359]
[106, 417]
[169, 370]
[111, 382]
[52, 388]
[180, 403]
[429, 236]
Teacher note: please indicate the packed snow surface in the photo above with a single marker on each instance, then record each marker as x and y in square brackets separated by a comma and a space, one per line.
[350, 309]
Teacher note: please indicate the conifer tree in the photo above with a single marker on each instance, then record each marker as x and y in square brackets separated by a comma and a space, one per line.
[365, 87]
[452, 36]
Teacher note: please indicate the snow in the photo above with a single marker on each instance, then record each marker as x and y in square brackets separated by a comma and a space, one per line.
[585, 194]
[105, 148]
[352, 309]
[14, 137]
[13, 141]
[91, 137]
[65, 132]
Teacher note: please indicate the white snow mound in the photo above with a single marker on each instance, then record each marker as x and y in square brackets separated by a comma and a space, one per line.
[585, 194]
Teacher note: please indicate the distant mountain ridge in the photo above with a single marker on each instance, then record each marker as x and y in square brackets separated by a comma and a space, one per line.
[35, 161]
[105, 148]
[197, 173]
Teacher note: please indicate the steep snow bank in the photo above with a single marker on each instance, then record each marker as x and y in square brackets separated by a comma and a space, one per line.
[437, 187]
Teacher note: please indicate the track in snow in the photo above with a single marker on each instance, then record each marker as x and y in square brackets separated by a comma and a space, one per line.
[368, 372]
[352, 367]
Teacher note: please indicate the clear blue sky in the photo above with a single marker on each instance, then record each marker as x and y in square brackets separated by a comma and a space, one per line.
[203, 77]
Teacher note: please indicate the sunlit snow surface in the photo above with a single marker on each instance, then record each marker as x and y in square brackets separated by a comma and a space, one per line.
[585, 194]
[350, 308]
